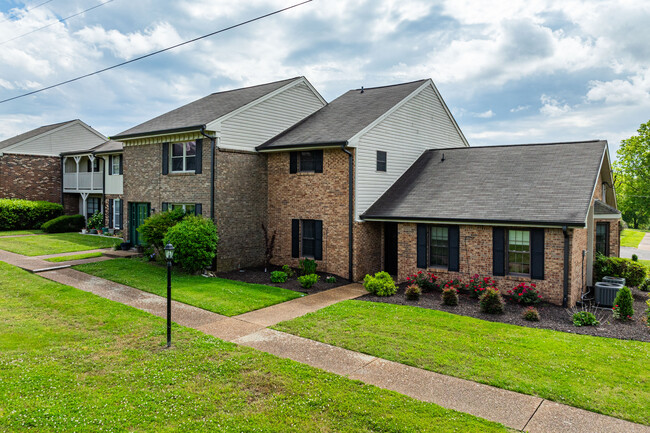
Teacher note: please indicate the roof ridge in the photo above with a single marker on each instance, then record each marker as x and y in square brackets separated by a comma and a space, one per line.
[389, 85]
[521, 145]
[255, 85]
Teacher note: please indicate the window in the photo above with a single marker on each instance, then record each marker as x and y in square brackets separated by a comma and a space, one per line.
[115, 164]
[439, 246]
[92, 206]
[602, 238]
[518, 252]
[187, 207]
[306, 161]
[117, 217]
[381, 161]
[183, 156]
[308, 238]
[95, 165]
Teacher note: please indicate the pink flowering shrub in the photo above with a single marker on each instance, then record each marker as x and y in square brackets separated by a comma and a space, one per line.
[491, 301]
[425, 280]
[524, 294]
[450, 296]
[477, 285]
[454, 284]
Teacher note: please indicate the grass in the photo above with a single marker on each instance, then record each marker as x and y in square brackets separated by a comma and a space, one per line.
[218, 295]
[60, 259]
[55, 243]
[20, 232]
[72, 361]
[632, 238]
[603, 375]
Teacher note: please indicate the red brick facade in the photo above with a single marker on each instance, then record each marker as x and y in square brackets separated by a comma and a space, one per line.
[30, 177]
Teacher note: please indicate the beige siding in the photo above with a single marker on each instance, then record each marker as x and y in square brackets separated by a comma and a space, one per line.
[421, 123]
[265, 120]
[74, 137]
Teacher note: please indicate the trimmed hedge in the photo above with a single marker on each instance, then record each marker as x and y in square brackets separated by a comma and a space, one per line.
[195, 242]
[64, 223]
[633, 272]
[17, 214]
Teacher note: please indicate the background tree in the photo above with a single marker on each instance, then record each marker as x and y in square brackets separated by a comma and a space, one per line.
[632, 174]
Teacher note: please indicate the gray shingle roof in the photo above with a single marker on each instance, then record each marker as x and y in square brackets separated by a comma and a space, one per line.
[31, 134]
[537, 183]
[109, 146]
[344, 117]
[602, 208]
[205, 110]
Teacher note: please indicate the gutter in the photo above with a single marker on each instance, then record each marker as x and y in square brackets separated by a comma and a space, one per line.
[213, 175]
[62, 187]
[350, 209]
[565, 298]
[156, 133]
[470, 221]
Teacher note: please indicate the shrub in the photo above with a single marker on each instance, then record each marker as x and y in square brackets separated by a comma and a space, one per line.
[624, 304]
[635, 258]
[645, 285]
[524, 294]
[307, 266]
[330, 279]
[585, 318]
[96, 221]
[154, 229]
[647, 312]
[633, 272]
[381, 284]
[477, 285]
[287, 270]
[412, 292]
[450, 296]
[455, 283]
[531, 314]
[306, 281]
[278, 277]
[195, 241]
[491, 301]
[426, 281]
[17, 214]
[64, 223]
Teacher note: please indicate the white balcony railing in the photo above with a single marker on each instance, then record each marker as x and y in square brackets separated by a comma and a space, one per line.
[83, 182]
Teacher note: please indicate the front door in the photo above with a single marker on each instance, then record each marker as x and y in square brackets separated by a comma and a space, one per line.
[138, 212]
[390, 248]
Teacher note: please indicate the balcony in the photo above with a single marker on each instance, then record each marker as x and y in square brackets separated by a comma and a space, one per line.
[83, 182]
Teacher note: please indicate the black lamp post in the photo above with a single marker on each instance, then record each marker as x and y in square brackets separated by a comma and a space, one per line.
[169, 255]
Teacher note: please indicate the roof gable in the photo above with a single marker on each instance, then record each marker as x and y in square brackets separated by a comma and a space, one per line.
[31, 134]
[51, 139]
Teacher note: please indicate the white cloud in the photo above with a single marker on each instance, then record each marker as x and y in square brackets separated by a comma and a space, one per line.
[552, 107]
[634, 90]
[519, 108]
[486, 114]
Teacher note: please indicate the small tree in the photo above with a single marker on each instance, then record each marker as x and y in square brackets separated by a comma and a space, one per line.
[624, 304]
[195, 242]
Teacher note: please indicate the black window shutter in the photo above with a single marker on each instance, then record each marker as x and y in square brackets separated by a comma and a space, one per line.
[422, 246]
[318, 240]
[110, 213]
[165, 158]
[498, 251]
[90, 166]
[454, 248]
[198, 167]
[165, 206]
[293, 162]
[318, 161]
[121, 213]
[537, 254]
[121, 163]
[110, 164]
[198, 209]
[295, 238]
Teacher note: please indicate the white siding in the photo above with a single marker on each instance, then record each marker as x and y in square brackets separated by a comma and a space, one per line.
[265, 120]
[421, 123]
[74, 137]
[114, 182]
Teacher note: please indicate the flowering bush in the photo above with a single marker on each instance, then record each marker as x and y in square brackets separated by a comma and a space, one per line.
[426, 281]
[524, 294]
[454, 284]
[412, 292]
[624, 304]
[477, 285]
[491, 301]
[450, 296]
[531, 314]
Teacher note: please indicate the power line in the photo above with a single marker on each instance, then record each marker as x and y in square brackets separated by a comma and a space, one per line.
[27, 10]
[156, 52]
[56, 22]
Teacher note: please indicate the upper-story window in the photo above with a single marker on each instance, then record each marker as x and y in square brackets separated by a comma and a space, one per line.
[306, 161]
[95, 165]
[115, 164]
[183, 156]
[518, 252]
[381, 160]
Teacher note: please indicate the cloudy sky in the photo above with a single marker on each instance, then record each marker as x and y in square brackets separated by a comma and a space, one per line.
[511, 72]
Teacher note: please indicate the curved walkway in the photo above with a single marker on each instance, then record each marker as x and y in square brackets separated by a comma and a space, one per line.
[643, 250]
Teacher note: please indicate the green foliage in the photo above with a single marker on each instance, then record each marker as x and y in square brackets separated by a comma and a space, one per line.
[633, 272]
[624, 304]
[307, 266]
[412, 292]
[491, 301]
[584, 318]
[330, 279]
[645, 286]
[635, 258]
[530, 314]
[154, 228]
[381, 284]
[524, 294]
[425, 280]
[647, 313]
[16, 214]
[287, 270]
[450, 296]
[632, 170]
[477, 285]
[64, 223]
[96, 221]
[195, 241]
[307, 281]
[278, 277]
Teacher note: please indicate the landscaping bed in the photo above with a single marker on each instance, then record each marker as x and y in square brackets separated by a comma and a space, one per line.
[551, 316]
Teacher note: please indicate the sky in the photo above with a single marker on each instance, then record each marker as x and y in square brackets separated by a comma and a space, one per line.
[511, 72]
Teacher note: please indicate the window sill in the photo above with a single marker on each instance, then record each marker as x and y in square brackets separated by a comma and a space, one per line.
[306, 173]
[181, 173]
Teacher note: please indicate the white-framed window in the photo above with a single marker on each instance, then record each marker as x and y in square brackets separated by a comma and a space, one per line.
[519, 252]
[183, 157]
[117, 217]
[115, 168]
[189, 208]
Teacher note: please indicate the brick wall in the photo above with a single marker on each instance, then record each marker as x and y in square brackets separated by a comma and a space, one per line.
[577, 266]
[476, 258]
[106, 207]
[30, 177]
[368, 249]
[71, 204]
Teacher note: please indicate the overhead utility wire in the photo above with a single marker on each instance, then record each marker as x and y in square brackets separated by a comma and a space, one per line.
[27, 10]
[155, 52]
[56, 22]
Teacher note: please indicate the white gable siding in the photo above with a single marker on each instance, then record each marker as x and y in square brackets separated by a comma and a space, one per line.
[71, 138]
[254, 126]
[421, 123]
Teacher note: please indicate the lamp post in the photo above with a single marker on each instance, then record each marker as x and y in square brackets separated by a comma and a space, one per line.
[169, 255]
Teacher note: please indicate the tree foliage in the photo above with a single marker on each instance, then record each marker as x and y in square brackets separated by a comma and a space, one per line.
[633, 177]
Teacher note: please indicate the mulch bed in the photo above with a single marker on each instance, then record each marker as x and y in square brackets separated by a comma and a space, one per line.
[258, 276]
[551, 316]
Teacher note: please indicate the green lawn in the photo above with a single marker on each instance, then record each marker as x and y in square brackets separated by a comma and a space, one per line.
[55, 243]
[72, 361]
[226, 297]
[60, 259]
[20, 232]
[599, 374]
[631, 237]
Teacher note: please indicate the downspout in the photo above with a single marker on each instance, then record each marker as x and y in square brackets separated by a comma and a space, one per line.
[350, 209]
[62, 170]
[565, 299]
[213, 175]
[106, 218]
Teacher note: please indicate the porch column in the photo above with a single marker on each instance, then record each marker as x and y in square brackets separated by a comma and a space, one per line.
[76, 160]
[590, 246]
[92, 168]
[84, 206]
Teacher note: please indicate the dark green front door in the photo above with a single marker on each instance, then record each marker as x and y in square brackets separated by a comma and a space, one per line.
[138, 212]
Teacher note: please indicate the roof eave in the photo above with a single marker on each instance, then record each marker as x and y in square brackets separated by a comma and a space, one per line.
[469, 221]
[301, 146]
[157, 133]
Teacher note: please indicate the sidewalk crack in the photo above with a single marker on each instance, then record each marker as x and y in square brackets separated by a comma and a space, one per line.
[531, 417]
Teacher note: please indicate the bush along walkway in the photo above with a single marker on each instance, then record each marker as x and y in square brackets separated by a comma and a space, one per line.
[518, 411]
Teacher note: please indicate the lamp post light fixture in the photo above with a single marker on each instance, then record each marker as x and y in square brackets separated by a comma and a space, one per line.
[169, 255]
